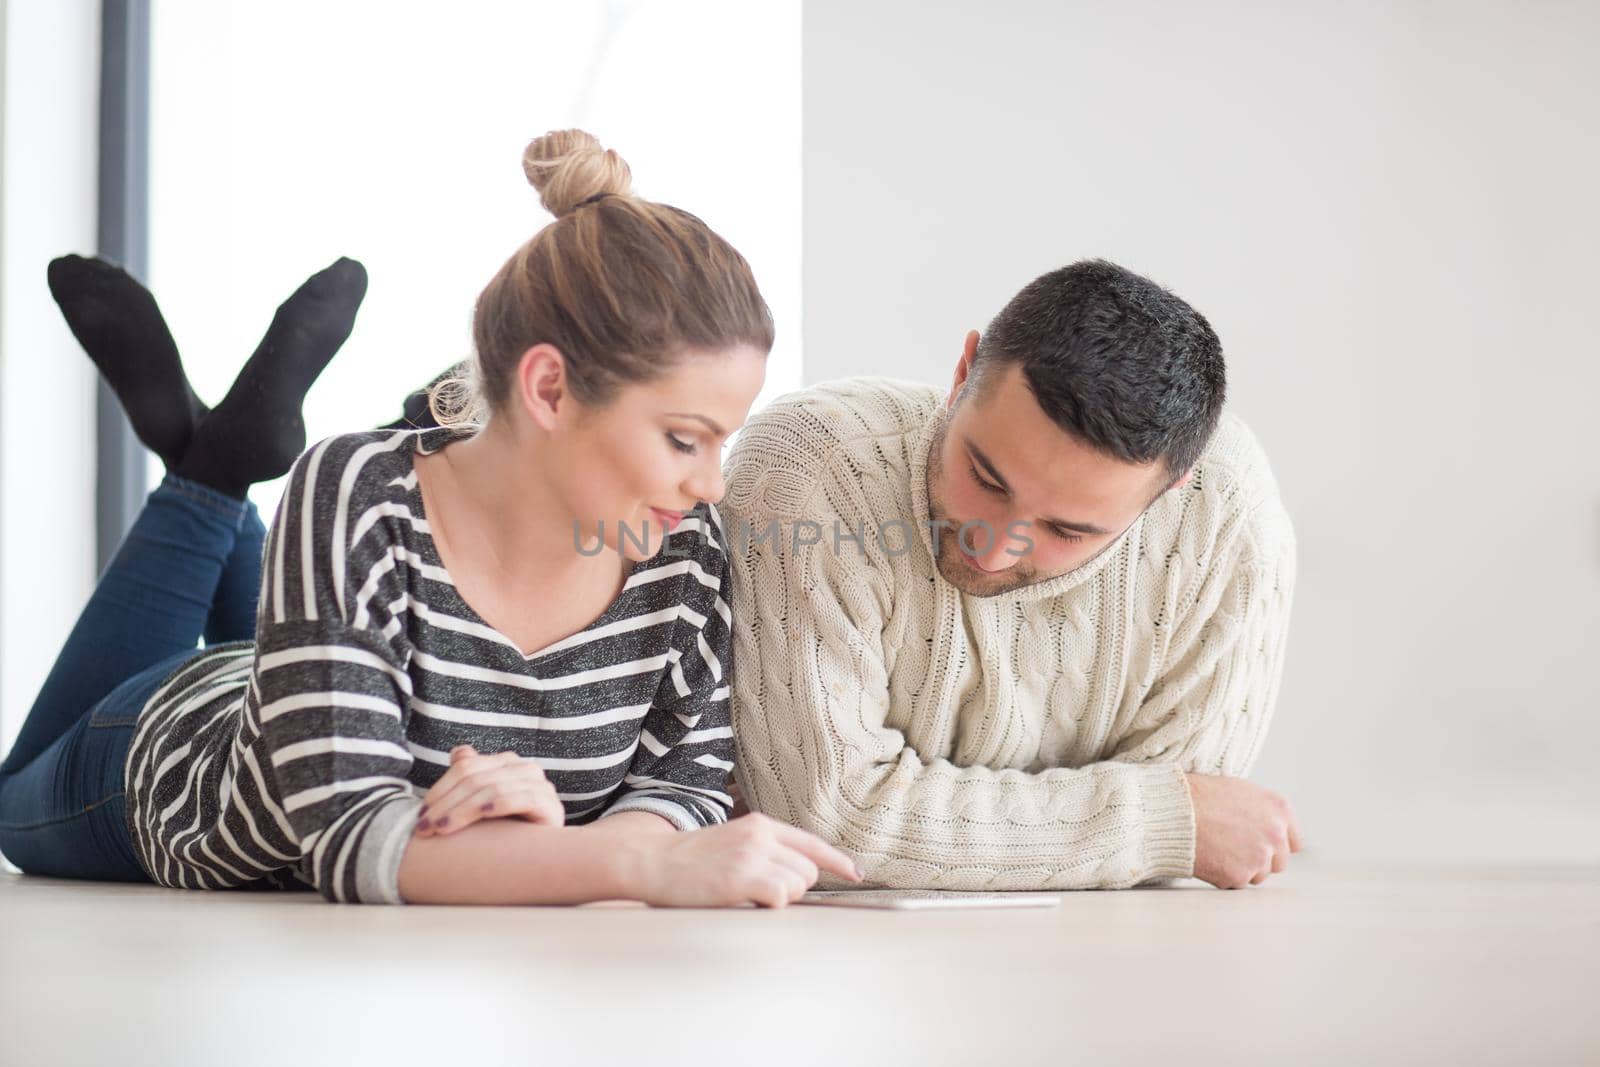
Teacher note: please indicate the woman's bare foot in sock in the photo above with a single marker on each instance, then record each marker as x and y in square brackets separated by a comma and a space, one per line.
[117, 322]
[257, 432]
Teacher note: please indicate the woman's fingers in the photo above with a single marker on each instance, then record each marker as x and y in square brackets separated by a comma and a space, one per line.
[544, 806]
[817, 851]
[508, 795]
[510, 792]
[536, 804]
[539, 802]
[457, 799]
[465, 775]
[464, 762]
[778, 886]
[798, 862]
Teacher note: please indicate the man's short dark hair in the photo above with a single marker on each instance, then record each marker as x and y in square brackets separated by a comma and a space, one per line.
[1114, 360]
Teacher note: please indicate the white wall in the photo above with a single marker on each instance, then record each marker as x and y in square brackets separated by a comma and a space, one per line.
[1388, 211]
[50, 72]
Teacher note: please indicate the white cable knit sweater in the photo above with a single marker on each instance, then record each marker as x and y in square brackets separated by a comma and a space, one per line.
[1032, 740]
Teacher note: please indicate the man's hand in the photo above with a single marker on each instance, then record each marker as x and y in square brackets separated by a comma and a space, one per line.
[1242, 832]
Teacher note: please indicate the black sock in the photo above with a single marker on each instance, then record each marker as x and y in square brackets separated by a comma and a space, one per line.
[117, 322]
[257, 432]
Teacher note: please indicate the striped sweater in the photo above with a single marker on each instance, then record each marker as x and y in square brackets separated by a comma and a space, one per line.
[303, 758]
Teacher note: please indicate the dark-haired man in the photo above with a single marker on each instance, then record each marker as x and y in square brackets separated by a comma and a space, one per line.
[1026, 634]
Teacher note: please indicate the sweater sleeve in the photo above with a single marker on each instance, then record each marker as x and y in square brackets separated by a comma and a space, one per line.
[1209, 708]
[330, 688]
[686, 746]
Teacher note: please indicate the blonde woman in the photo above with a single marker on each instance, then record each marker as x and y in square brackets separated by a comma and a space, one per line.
[489, 661]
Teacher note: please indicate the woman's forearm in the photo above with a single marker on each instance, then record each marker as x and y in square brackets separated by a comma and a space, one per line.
[510, 861]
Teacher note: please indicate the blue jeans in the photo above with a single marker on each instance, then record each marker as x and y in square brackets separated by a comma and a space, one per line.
[190, 567]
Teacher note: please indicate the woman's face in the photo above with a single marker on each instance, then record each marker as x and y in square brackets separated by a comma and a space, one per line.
[629, 469]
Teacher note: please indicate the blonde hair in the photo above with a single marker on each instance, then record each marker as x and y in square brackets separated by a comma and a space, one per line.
[622, 287]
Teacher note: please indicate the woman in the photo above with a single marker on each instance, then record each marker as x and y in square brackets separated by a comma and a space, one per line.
[475, 674]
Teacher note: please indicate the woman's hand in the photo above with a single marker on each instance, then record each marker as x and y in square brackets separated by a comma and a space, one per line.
[751, 860]
[476, 787]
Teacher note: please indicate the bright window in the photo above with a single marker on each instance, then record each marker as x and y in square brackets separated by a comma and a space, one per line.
[284, 135]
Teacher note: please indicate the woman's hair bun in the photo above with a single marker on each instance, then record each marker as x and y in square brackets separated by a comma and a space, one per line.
[569, 167]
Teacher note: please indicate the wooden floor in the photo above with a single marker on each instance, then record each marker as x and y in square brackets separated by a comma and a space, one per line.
[1323, 965]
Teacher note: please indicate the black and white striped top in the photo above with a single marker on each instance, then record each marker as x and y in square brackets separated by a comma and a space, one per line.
[303, 758]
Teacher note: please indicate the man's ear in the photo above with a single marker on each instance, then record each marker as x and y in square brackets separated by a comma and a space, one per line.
[969, 351]
[542, 385]
[1166, 487]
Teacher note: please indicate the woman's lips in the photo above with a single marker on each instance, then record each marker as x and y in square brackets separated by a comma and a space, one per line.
[668, 519]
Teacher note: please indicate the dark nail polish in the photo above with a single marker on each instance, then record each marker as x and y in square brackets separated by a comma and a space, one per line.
[443, 822]
[422, 824]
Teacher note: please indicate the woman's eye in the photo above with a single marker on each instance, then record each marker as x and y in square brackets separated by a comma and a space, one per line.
[686, 447]
[982, 481]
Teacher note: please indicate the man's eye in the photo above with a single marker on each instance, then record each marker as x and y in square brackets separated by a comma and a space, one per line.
[982, 481]
[686, 447]
[1063, 534]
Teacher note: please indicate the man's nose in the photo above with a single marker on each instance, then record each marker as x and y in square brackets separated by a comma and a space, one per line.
[989, 547]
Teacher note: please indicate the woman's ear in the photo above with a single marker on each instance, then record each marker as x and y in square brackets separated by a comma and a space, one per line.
[542, 385]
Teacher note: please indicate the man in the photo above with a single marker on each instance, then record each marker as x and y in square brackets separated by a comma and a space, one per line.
[1027, 634]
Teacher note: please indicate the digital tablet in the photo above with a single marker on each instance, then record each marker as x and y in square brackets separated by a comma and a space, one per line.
[909, 899]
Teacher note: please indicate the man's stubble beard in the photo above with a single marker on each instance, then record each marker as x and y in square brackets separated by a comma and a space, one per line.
[952, 568]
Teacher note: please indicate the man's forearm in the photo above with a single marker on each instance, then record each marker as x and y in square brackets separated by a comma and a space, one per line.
[939, 826]
[510, 861]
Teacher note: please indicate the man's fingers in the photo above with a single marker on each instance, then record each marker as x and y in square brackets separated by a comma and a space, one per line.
[817, 851]
[1296, 841]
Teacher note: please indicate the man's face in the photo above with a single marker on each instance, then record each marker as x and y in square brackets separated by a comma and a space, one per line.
[999, 465]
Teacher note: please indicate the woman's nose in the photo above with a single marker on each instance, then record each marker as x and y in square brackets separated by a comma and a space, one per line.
[707, 483]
